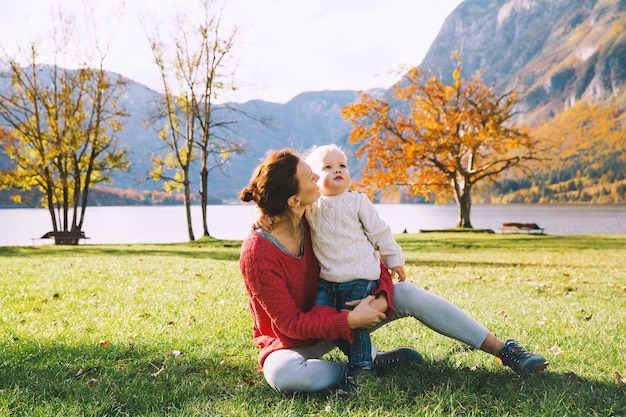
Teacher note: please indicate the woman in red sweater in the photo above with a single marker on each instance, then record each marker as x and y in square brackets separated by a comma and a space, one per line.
[281, 274]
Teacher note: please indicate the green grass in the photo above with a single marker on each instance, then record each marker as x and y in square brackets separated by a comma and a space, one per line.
[97, 331]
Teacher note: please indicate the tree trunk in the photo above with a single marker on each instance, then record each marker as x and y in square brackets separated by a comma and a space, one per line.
[463, 196]
[204, 190]
[188, 204]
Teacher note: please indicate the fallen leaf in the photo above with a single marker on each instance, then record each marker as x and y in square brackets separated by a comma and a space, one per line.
[249, 381]
[572, 377]
[174, 352]
[555, 350]
[159, 372]
[104, 343]
[93, 382]
[620, 378]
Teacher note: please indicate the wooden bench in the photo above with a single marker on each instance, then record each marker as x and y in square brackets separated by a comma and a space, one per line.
[521, 228]
[71, 237]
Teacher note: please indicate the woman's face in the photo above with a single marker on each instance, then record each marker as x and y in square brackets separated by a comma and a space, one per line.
[308, 191]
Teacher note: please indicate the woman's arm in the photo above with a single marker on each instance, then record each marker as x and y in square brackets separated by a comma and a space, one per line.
[320, 322]
[282, 292]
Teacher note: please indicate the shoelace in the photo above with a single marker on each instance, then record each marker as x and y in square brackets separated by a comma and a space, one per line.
[515, 352]
[388, 361]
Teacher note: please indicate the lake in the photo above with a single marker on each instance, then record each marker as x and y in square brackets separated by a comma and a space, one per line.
[167, 224]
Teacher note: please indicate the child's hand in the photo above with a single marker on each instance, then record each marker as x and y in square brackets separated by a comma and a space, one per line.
[262, 221]
[399, 271]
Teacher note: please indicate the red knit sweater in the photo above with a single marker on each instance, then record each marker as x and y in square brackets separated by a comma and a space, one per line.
[281, 295]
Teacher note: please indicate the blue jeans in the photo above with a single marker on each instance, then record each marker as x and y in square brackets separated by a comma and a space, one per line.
[336, 295]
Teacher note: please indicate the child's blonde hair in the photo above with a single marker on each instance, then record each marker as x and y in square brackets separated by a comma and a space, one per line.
[313, 154]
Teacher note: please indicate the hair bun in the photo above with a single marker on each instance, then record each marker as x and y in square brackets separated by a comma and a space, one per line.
[247, 195]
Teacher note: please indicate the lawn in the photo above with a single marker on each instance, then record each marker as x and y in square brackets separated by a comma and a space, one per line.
[150, 330]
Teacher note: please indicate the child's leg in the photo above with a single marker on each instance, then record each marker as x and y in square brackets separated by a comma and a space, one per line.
[326, 294]
[360, 352]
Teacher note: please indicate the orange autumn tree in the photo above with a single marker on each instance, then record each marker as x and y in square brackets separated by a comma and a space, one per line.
[438, 140]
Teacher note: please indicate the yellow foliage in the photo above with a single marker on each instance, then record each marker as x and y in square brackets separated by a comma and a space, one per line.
[586, 131]
[63, 136]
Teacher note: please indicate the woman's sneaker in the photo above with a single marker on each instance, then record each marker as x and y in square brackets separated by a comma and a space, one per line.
[520, 360]
[347, 386]
[386, 361]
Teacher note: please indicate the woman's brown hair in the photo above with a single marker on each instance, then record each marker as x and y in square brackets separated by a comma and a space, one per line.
[273, 182]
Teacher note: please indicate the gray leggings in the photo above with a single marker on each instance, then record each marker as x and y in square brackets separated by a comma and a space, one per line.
[301, 369]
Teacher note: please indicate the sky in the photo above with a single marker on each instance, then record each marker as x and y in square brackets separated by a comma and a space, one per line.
[283, 47]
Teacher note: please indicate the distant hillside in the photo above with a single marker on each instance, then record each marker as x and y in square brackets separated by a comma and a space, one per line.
[559, 54]
[588, 163]
[555, 52]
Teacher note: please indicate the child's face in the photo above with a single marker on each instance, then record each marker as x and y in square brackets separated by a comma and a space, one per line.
[332, 168]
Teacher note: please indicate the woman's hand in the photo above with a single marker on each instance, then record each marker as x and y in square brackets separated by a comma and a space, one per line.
[380, 303]
[364, 315]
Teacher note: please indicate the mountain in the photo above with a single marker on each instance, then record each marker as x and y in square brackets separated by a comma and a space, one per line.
[558, 54]
[554, 52]
[563, 57]
[308, 119]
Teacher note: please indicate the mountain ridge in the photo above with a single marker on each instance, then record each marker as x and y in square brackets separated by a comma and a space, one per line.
[557, 53]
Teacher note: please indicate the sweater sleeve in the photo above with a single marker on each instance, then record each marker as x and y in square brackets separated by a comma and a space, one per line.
[379, 234]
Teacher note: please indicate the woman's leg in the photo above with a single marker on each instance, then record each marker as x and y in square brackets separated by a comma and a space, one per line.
[444, 317]
[439, 314]
[302, 370]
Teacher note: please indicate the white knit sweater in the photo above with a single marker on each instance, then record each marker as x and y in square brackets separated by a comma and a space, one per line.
[346, 232]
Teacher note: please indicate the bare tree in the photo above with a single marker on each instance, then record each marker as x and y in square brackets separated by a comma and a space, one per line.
[195, 126]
